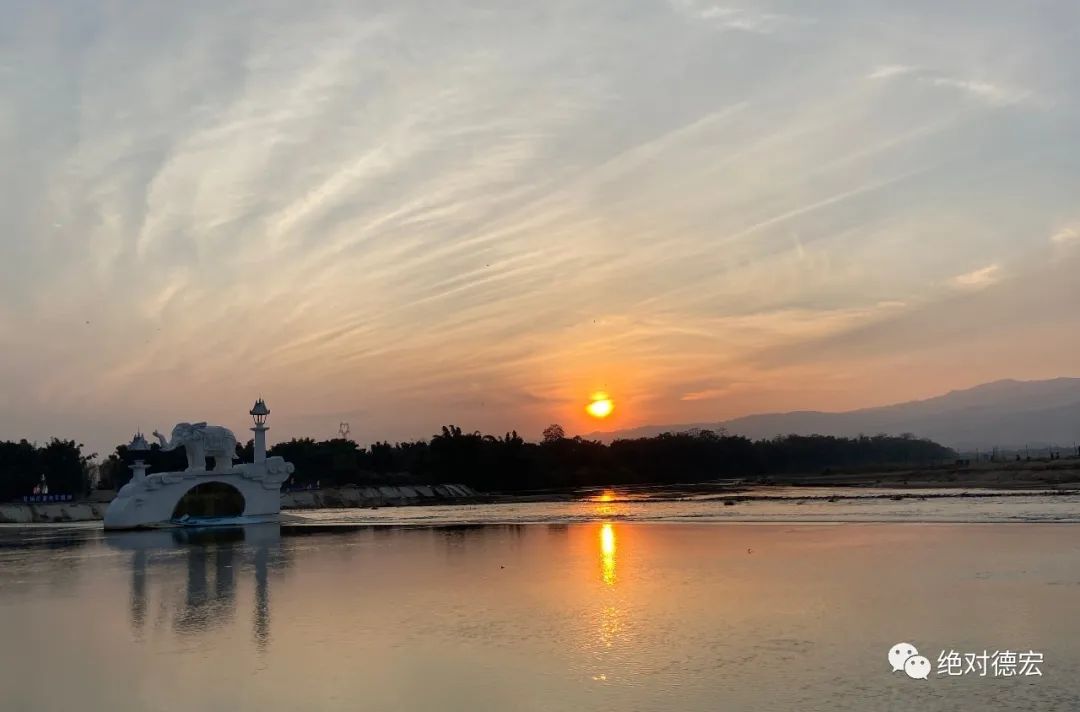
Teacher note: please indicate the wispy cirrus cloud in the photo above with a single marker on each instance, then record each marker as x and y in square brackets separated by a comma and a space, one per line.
[1066, 236]
[742, 19]
[992, 93]
[423, 214]
[887, 71]
[979, 278]
[987, 91]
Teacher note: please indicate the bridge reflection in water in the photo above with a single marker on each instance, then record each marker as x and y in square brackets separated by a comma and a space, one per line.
[229, 551]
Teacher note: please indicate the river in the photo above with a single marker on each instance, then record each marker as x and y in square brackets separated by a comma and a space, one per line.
[609, 603]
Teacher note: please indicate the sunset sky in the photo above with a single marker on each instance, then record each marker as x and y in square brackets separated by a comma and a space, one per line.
[406, 214]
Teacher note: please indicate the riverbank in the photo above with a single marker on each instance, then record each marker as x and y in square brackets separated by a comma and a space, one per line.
[989, 478]
[1019, 474]
[1053, 477]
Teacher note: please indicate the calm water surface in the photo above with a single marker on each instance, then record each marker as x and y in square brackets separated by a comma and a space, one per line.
[599, 615]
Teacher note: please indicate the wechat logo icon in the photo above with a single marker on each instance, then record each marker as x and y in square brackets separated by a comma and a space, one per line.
[905, 657]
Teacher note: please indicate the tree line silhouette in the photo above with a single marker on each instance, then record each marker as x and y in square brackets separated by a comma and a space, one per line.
[508, 463]
[62, 462]
[491, 463]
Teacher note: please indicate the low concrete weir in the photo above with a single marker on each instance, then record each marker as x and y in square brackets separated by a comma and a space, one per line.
[383, 496]
[326, 498]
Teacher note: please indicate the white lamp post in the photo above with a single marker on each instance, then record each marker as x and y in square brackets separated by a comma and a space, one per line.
[259, 412]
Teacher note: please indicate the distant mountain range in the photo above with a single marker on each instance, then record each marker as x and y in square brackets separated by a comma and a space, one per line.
[1007, 414]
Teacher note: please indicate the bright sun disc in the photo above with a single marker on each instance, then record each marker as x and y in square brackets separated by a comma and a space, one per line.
[600, 407]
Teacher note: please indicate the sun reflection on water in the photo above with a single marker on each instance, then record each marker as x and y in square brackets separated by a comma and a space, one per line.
[607, 553]
[610, 622]
[607, 505]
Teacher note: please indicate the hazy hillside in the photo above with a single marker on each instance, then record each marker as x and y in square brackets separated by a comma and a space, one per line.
[1004, 413]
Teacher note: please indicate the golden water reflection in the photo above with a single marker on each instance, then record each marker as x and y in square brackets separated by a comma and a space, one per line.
[608, 547]
[607, 505]
[610, 621]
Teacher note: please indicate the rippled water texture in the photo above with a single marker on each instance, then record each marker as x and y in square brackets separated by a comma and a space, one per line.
[604, 615]
[766, 504]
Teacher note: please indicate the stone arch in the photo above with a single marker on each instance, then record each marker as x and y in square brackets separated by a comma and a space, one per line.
[211, 499]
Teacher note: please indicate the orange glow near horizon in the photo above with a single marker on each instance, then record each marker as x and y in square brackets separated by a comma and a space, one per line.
[601, 406]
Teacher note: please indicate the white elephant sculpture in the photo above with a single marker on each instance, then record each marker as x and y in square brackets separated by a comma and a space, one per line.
[200, 441]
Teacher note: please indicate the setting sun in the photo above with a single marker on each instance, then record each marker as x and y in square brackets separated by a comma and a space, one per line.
[601, 406]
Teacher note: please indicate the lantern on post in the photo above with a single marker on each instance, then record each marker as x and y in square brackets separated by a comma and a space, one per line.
[259, 413]
[138, 446]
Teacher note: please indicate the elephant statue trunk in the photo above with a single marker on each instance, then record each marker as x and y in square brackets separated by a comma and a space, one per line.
[165, 445]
